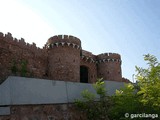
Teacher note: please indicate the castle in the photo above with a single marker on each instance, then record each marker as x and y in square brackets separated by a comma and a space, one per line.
[51, 77]
[61, 58]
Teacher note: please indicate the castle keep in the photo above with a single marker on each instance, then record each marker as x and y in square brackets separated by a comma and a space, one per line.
[61, 58]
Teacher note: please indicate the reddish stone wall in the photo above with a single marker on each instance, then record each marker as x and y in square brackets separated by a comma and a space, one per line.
[89, 60]
[60, 59]
[64, 58]
[44, 112]
[109, 66]
[13, 53]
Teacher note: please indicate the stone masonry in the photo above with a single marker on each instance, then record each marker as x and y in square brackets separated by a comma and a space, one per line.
[44, 112]
[61, 58]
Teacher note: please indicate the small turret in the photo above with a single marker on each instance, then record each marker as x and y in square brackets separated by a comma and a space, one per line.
[109, 66]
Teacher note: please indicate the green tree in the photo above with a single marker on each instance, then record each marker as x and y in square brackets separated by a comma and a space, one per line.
[149, 82]
[93, 108]
[125, 101]
[142, 97]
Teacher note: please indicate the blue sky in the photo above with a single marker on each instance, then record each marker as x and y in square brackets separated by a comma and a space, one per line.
[128, 27]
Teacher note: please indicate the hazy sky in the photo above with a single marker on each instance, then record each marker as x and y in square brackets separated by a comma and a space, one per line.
[128, 27]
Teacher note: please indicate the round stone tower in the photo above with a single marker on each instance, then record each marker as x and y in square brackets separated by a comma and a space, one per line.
[109, 66]
[64, 58]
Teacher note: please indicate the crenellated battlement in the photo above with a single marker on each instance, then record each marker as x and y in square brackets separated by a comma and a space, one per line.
[61, 58]
[20, 43]
[88, 57]
[108, 57]
[15, 53]
[63, 40]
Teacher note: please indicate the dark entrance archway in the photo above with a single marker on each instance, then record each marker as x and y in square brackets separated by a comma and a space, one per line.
[83, 74]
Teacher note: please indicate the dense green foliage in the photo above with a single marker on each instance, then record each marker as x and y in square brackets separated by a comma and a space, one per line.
[95, 108]
[149, 82]
[142, 97]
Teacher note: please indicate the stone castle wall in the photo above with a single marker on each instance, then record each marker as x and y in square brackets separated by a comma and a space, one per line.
[18, 57]
[61, 58]
[44, 112]
[89, 60]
